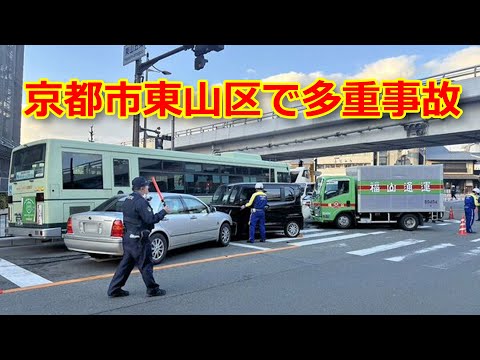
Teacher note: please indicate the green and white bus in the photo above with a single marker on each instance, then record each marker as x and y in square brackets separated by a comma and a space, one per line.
[53, 179]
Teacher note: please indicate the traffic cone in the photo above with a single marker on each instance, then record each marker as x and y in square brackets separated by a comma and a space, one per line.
[451, 217]
[463, 227]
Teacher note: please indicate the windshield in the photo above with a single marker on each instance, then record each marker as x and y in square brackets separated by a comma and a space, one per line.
[218, 195]
[112, 204]
[28, 163]
[116, 203]
[223, 194]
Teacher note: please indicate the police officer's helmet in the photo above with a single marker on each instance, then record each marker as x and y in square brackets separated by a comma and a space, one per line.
[476, 190]
[258, 186]
[139, 182]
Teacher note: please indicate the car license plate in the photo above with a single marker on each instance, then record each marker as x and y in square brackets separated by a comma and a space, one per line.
[92, 228]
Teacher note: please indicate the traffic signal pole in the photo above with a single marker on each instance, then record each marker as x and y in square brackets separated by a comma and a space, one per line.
[139, 69]
[200, 61]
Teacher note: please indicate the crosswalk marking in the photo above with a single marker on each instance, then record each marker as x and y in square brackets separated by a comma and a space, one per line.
[249, 246]
[326, 233]
[330, 239]
[20, 276]
[311, 230]
[421, 251]
[380, 248]
[464, 257]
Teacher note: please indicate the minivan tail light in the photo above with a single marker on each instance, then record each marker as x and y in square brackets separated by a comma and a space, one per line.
[117, 228]
[69, 226]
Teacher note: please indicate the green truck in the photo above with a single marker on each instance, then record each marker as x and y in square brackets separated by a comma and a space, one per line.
[403, 195]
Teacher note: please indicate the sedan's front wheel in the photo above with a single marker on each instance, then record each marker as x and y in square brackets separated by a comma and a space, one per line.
[159, 248]
[225, 235]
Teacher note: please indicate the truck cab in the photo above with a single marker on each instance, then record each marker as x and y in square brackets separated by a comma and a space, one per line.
[334, 201]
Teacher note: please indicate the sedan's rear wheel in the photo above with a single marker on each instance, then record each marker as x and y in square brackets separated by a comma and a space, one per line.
[159, 248]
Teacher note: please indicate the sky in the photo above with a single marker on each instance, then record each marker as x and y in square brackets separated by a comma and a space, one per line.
[236, 62]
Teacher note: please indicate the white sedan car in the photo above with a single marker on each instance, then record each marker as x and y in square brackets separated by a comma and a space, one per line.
[99, 232]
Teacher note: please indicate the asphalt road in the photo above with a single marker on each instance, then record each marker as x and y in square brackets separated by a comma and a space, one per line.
[368, 270]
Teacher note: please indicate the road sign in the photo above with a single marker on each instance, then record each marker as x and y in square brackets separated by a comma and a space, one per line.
[132, 53]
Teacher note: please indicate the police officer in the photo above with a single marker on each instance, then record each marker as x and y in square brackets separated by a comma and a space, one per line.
[470, 203]
[138, 219]
[259, 202]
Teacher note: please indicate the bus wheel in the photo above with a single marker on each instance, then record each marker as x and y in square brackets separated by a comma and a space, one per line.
[292, 229]
[344, 221]
[408, 222]
[159, 248]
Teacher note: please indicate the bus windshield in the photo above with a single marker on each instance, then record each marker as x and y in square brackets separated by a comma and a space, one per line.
[28, 163]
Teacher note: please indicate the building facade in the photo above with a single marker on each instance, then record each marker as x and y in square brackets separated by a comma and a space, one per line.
[11, 88]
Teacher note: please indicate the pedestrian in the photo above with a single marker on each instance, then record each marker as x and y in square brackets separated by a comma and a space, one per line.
[259, 202]
[470, 203]
[453, 191]
[138, 220]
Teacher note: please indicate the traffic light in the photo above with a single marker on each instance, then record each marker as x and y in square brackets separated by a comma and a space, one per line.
[200, 62]
[201, 50]
[159, 142]
[204, 49]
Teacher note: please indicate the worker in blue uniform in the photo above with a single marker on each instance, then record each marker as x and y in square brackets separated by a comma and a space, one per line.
[138, 220]
[258, 203]
[470, 203]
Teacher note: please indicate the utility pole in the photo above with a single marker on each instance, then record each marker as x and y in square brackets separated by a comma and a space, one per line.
[172, 142]
[136, 118]
[91, 134]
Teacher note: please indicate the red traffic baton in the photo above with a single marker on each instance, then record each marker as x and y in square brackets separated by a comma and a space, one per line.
[158, 191]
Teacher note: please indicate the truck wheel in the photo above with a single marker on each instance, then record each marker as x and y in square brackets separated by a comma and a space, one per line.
[408, 222]
[291, 229]
[344, 221]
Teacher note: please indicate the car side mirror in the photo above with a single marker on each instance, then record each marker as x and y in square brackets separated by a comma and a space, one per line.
[212, 209]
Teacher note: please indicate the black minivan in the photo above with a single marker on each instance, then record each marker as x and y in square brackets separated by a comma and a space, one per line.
[284, 211]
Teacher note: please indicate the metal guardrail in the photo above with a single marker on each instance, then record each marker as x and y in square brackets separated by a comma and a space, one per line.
[472, 71]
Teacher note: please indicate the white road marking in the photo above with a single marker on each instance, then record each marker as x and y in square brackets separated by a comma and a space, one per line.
[326, 233]
[421, 251]
[475, 240]
[249, 246]
[380, 248]
[464, 257]
[311, 230]
[424, 227]
[378, 232]
[335, 238]
[453, 221]
[20, 276]
[443, 224]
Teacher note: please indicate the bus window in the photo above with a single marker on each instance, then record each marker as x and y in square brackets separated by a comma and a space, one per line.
[28, 163]
[82, 171]
[283, 177]
[121, 174]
